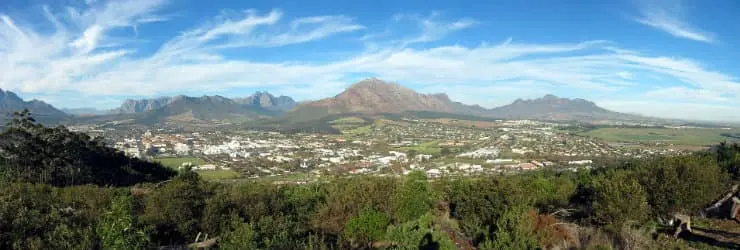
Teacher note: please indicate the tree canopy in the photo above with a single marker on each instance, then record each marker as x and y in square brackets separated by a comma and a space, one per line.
[31, 152]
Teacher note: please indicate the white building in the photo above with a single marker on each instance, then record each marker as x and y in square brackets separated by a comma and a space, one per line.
[182, 149]
[423, 157]
[581, 162]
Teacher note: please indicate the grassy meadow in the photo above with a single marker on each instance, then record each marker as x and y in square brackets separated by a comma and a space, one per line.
[176, 162]
[688, 137]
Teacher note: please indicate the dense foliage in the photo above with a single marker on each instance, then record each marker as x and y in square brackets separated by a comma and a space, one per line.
[599, 209]
[30, 152]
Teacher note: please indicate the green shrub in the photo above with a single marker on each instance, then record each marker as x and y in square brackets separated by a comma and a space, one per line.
[618, 198]
[413, 199]
[117, 227]
[369, 226]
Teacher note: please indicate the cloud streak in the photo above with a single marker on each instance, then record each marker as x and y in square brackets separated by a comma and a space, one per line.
[669, 17]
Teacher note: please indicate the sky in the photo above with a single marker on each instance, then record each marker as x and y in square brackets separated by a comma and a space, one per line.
[663, 58]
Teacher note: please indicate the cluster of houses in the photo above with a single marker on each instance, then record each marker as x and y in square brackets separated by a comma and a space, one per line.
[509, 147]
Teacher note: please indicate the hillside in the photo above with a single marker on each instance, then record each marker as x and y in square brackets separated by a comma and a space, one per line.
[44, 112]
[550, 107]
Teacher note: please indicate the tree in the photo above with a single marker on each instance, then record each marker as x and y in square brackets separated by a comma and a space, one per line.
[23, 120]
[728, 158]
[37, 154]
[117, 227]
[681, 184]
[413, 199]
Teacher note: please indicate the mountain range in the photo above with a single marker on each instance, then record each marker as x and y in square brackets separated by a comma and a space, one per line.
[258, 100]
[370, 96]
[550, 107]
[373, 96]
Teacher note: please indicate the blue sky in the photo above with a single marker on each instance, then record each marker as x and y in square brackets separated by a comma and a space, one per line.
[676, 59]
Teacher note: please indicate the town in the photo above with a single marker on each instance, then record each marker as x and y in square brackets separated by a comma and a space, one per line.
[385, 147]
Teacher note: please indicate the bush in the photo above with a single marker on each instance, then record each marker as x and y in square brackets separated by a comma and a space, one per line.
[418, 234]
[367, 227]
[117, 228]
[413, 199]
[346, 198]
[681, 184]
[241, 237]
[175, 209]
[618, 198]
[514, 230]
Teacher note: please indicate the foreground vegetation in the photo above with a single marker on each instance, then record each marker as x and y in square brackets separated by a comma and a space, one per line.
[617, 207]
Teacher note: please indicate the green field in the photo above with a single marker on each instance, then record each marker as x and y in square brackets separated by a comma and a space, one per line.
[210, 175]
[176, 162]
[689, 137]
[219, 174]
[430, 147]
[348, 120]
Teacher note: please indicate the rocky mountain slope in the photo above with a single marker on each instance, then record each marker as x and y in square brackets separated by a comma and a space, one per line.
[267, 101]
[139, 106]
[373, 96]
[258, 100]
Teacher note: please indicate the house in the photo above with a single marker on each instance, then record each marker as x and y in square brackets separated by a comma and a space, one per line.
[527, 166]
[537, 163]
[205, 167]
[182, 149]
[500, 161]
[397, 154]
[431, 173]
[423, 157]
[581, 162]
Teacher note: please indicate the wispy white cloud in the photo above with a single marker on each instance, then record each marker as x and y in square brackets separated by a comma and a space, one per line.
[669, 16]
[686, 94]
[674, 109]
[432, 28]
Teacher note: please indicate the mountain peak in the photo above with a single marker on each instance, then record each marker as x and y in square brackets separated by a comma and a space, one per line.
[375, 84]
[549, 97]
[374, 96]
[265, 100]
